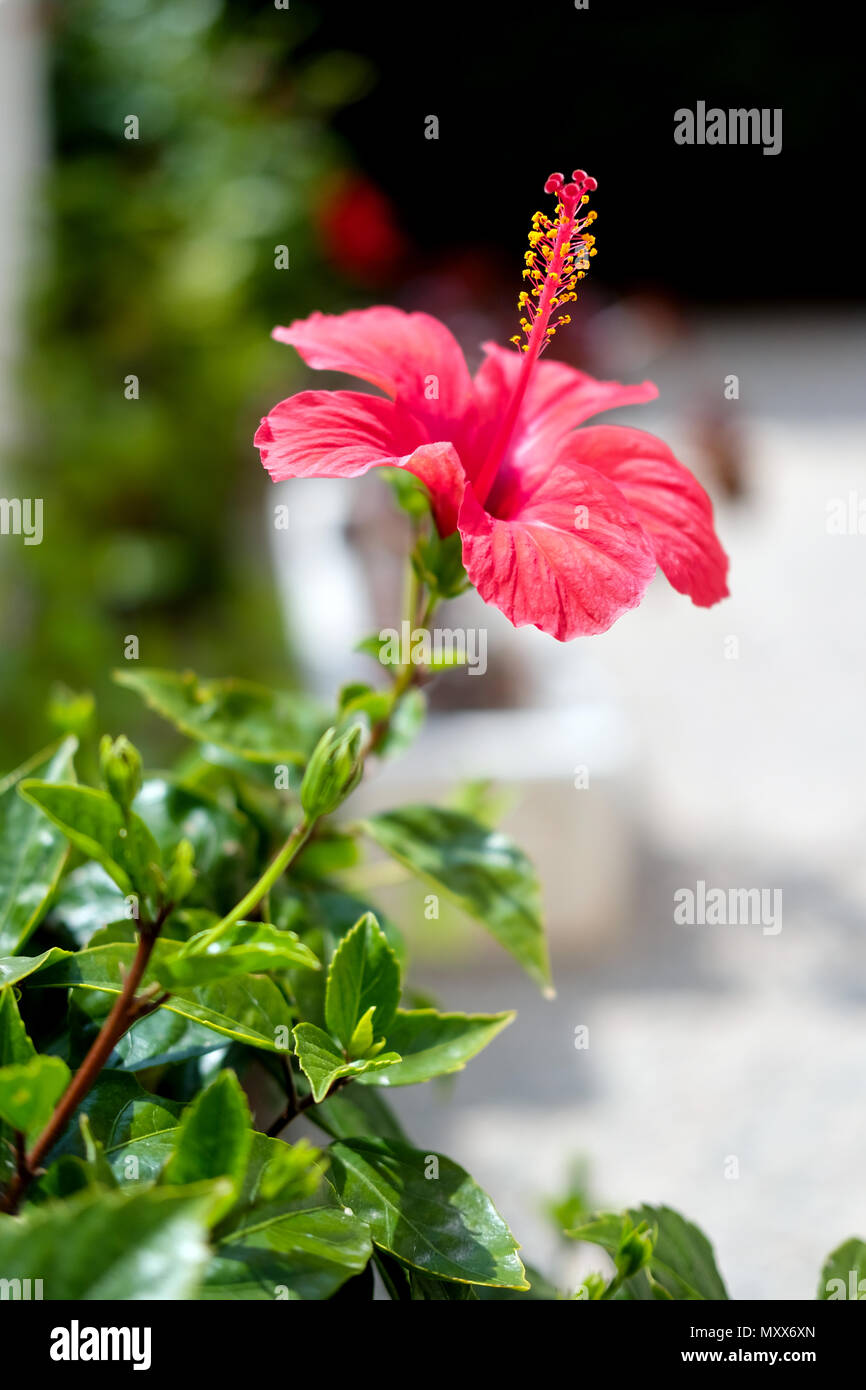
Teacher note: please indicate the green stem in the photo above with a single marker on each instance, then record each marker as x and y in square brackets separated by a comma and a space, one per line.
[127, 1009]
[262, 887]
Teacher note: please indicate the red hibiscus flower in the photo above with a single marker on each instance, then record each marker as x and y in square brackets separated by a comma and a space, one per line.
[561, 527]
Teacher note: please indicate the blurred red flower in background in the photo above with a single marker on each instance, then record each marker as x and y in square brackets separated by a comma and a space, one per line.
[360, 233]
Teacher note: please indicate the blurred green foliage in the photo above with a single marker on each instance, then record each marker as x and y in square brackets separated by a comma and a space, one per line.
[157, 260]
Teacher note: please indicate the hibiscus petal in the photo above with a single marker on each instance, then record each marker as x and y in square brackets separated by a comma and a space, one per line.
[670, 503]
[342, 434]
[569, 556]
[557, 399]
[412, 357]
[335, 434]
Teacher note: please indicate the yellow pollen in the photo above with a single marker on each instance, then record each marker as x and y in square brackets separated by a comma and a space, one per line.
[558, 256]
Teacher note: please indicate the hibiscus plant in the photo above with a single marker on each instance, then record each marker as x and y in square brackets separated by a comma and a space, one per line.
[188, 967]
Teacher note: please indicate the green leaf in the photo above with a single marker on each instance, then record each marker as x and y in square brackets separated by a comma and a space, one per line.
[32, 854]
[409, 492]
[360, 698]
[247, 947]
[261, 725]
[844, 1273]
[118, 1111]
[70, 1174]
[322, 1063]
[540, 1291]
[328, 853]
[147, 1245]
[15, 1045]
[214, 1139]
[279, 1177]
[357, 1114]
[438, 562]
[405, 1285]
[15, 1050]
[85, 900]
[303, 1255]
[442, 1224]
[433, 1044]
[224, 840]
[404, 725]
[13, 969]
[248, 1008]
[363, 973]
[29, 1092]
[93, 822]
[480, 868]
[682, 1263]
[162, 1038]
[362, 1039]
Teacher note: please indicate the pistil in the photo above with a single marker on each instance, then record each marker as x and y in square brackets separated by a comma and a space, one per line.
[558, 257]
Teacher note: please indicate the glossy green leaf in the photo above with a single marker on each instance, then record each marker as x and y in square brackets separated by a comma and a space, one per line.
[145, 1245]
[427, 1211]
[407, 1285]
[68, 1176]
[243, 949]
[322, 1062]
[29, 1092]
[13, 969]
[481, 869]
[93, 822]
[279, 1177]
[357, 1114]
[214, 1138]
[162, 1038]
[248, 1008]
[433, 1044]
[844, 1273]
[118, 1111]
[329, 852]
[250, 721]
[363, 973]
[362, 1039]
[15, 1045]
[540, 1291]
[682, 1264]
[32, 852]
[15, 1049]
[85, 901]
[410, 1285]
[224, 840]
[302, 1255]
[70, 1173]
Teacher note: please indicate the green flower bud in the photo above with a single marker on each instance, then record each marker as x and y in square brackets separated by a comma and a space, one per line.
[120, 766]
[591, 1289]
[181, 874]
[634, 1251]
[334, 770]
[70, 711]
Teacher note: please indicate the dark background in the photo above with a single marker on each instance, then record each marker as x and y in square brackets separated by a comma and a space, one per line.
[521, 89]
